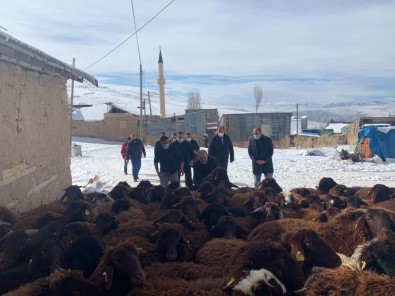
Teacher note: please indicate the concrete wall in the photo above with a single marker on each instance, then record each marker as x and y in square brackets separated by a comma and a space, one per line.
[35, 133]
[92, 129]
[117, 127]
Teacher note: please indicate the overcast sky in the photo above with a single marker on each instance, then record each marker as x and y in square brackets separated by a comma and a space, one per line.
[305, 50]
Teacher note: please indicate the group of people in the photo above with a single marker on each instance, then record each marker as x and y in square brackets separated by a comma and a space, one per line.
[176, 156]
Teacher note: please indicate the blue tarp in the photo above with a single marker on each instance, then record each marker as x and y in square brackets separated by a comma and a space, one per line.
[382, 140]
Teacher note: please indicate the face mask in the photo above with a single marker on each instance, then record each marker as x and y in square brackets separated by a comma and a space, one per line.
[189, 139]
[221, 134]
[165, 146]
[180, 140]
[256, 137]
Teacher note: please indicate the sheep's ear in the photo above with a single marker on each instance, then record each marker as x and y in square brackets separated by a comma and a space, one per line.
[248, 203]
[216, 230]
[360, 226]
[177, 206]
[108, 276]
[154, 237]
[186, 222]
[240, 232]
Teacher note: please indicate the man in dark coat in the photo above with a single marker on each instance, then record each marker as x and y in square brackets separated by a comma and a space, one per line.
[170, 160]
[158, 144]
[202, 166]
[187, 156]
[221, 147]
[134, 152]
[194, 145]
[260, 150]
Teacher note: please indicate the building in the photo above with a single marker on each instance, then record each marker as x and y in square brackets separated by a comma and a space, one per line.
[239, 126]
[35, 159]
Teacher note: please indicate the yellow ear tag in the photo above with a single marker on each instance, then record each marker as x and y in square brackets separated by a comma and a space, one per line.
[363, 264]
[105, 277]
[299, 256]
[87, 213]
[231, 281]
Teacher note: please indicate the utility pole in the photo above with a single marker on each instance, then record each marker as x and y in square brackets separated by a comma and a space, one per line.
[141, 103]
[297, 119]
[149, 103]
[71, 107]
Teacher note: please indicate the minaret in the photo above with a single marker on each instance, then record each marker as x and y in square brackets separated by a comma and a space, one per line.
[161, 83]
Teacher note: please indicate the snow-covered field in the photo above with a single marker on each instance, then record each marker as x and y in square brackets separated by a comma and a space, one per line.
[293, 168]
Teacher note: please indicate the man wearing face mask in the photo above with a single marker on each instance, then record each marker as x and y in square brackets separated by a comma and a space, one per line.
[221, 148]
[194, 145]
[260, 150]
[170, 161]
[187, 157]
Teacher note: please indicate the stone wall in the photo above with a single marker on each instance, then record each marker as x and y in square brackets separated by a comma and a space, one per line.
[35, 133]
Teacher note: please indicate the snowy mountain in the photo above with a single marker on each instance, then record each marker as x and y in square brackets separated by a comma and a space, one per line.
[128, 99]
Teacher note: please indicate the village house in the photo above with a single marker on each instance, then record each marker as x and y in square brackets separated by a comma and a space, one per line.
[35, 124]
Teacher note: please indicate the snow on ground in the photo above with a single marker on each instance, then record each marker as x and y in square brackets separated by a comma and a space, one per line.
[292, 167]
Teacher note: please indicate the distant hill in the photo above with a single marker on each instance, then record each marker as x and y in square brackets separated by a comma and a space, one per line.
[128, 98]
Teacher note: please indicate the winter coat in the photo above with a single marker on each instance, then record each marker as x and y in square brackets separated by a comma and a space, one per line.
[169, 159]
[135, 149]
[221, 149]
[185, 150]
[123, 149]
[261, 149]
[200, 171]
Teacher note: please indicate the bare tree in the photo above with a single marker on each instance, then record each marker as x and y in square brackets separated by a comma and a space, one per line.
[258, 96]
[194, 100]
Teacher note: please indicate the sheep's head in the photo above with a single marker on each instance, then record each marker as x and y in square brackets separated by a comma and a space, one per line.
[122, 267]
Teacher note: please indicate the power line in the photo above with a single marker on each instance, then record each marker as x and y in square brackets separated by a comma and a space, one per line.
[119, 45]
[135, 29]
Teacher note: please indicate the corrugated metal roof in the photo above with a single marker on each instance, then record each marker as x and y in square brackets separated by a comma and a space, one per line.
[19, 53]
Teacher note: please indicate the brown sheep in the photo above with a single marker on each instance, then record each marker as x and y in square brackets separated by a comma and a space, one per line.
[122, 204]
[377, 255]
[327, 215]
[8, 215]
[227, 227]
[164, 286]
[303, 191]
[184, 270]
[325, 185]
[174, 216]
[348, 281]
[106, 222]
[119, 270]
[269, 255]
[119, 191]
[60, 282]
[77, 211]
[204, 189]
[4, 229]
[188, 206]
[334, 201]
[72, 193]
[310, 250]
[139, 194]
[218, 251]
[260, 282]
[380, 192]
[269, 183]
[156, 193]
[14, 249]
[171, 244]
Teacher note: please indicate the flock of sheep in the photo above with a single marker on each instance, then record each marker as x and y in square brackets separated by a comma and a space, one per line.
[217, 240]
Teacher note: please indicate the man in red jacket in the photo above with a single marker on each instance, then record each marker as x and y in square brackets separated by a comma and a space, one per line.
[123, 153]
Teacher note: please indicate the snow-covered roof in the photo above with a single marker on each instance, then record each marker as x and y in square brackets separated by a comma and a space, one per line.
[337, 127]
